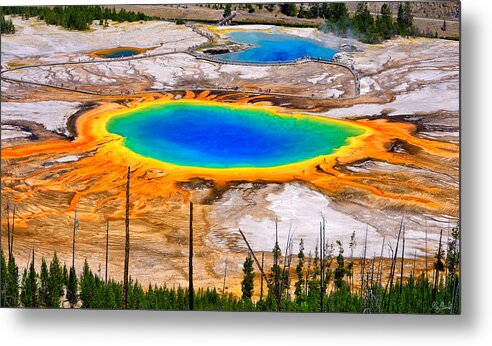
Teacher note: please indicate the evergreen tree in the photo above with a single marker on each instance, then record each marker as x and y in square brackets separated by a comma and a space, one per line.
[25, 297]
[136, 298]
[247, 285]
[341, 270]
[6, 25]
[314, 281]
[453, 255]
[29, 287]
[300, 272]
[302, 12]
[72, 295]
[65, 275]
[55, 283]
[336, 16]
[384, 23]
[289, 9]
[404, 20]
[276, 275]
[227, 10]
[4, 280]
[13, 283]
[44, 295]
[363, 20]
[313, 12]
[87, 287]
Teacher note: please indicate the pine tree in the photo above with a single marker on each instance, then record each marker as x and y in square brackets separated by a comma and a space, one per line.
[313, 12]
[137, 297]
[404, 20]
[227, 10]
[453, 255]
[384, 22]
[6, 25]
[44, 295]
[25, 297]
[4, 280]
[87, 287]
[341, 270]
[65, 275]
[338, 13]
[289, 9]
[55, 283]
[300, 272]
[29, 289]
[314, 281]
[13, 283]
[72, 296]
[363, 20]
[247, 285]
[276, 275]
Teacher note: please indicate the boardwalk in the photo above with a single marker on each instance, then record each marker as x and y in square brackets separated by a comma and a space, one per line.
[227, 20]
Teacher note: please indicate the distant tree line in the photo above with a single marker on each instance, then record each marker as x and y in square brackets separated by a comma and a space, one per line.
[6, 26]
[362, 24]
[74, 17]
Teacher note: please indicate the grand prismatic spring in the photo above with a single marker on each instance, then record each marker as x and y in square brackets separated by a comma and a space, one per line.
[224, 136]
[271, 129]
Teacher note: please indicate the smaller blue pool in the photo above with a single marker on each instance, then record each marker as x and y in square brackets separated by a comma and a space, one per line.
[119, 52]
[275, 47]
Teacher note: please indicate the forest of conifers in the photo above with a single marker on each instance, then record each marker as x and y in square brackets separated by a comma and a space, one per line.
[323, 282]
[73, 17]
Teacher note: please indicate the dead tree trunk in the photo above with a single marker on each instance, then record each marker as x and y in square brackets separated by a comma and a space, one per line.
[276, 264]
[75, 225]
[285, 277]
[190, 261]
[8, 230]
[261, 276]
[379, 278]
[260, 267]
[107, 252]
[127, 241]
[393, 266]
[72, 287]
[402, 261]
[436, 275]
[363, 265]
[33, 281]
[11, 250]
[225, 278]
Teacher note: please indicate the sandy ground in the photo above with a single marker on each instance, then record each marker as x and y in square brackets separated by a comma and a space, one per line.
[406, 81]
